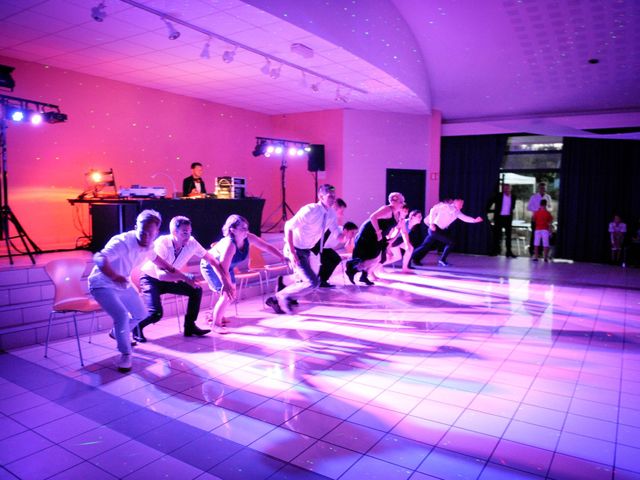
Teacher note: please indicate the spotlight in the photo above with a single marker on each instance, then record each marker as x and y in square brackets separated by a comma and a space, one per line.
[278, 150]
[173, 33]
[266, 68]
[95, 176]
[35, 118]
[292, 151]
[315, 87]
[98, 13]
[15, 114]
[303, 80]
[307, 149]
[228, 55]
[260, 148]
[54, 117]
[270, 149]
[275, 72]
[300, 152]
[205, 51]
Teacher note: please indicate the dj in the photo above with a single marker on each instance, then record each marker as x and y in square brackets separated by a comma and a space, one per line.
[193, 185]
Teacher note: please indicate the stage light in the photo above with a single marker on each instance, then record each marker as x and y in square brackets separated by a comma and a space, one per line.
[300, 152]
[260, 148]
[15, 114]
[95, 176]
[307, 148]
[54, 117]
[35, 118]
[292, 151]
[270, 149]
[173, 33]
[6, 80]
[278, 150]
[229, 55]
[98, 13]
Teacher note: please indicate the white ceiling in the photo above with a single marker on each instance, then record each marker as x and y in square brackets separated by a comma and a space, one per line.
[489, 59]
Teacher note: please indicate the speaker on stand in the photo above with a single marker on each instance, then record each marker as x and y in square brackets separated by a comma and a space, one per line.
[315, 163]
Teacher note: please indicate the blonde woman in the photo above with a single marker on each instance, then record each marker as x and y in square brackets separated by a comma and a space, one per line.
[371, 240]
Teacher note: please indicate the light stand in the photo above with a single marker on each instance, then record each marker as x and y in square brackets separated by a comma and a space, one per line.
[7, 217]
[283, 207]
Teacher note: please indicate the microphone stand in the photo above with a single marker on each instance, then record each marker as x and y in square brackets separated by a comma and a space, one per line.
[173, 184]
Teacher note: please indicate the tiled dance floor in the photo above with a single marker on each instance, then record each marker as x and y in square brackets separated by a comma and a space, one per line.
[492, 369]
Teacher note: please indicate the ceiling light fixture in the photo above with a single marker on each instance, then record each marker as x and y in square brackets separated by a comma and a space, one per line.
[266, 68]
[229, 55]
[205, 51]
[275, 72]
[98, 13]
[271, 58]
[173, 33]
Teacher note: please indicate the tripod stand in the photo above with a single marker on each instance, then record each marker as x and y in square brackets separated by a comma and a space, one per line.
[283, 207]
[7, 217]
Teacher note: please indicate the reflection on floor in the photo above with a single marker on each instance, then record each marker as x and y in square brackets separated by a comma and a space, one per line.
[492, 369]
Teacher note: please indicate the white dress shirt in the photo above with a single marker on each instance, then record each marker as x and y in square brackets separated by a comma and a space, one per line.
[124, 253]
[163, 247]
[444, 214]
[306, 225]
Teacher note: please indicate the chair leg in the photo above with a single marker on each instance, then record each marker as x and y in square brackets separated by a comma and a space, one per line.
[46, 343]
[93, 321]
[75, 324]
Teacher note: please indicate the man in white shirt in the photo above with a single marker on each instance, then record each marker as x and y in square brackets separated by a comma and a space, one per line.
[177, 248]
[301, 233]
[440, 217]
[534, 206]
[110, 279]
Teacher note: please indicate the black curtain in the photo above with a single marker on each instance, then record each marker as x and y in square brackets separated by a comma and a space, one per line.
[598, 178]
[469, 169]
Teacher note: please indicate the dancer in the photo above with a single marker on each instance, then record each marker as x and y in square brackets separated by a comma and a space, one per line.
[371, 241]
[397, 242]
[110, 279]
[229, 252]
[440, 217]
[177, 248]
[301, 233]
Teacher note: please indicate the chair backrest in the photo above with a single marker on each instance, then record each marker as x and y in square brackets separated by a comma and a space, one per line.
[256, 259]
[66, 274]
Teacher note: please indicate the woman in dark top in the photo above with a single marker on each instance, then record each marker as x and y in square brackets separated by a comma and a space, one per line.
[371, 241]
[230, 251]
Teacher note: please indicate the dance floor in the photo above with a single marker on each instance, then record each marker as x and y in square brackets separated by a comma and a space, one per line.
[490, 369]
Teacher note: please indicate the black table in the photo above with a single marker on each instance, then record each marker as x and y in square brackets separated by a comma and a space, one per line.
[112, 216]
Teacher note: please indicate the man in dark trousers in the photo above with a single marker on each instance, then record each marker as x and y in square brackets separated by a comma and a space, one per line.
[502, 205]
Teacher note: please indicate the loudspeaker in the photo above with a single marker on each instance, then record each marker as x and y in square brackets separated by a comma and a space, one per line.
[316, 158]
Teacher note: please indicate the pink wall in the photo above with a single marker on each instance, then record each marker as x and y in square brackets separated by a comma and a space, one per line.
[136, 131]
[323, 128]
[375, 141]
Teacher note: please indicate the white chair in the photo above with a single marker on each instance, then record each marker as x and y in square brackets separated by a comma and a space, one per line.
[69, 297]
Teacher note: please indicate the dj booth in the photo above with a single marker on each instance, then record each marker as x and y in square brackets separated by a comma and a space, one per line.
[112, 216]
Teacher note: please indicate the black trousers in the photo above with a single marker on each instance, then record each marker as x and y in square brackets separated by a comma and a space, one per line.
[329, 259]
[151, 288]
[502, 222]
[429, 243]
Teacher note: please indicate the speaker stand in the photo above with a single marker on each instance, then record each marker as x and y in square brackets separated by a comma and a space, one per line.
[283, 208]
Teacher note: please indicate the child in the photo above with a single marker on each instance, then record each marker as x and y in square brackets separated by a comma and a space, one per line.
[542, 219]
